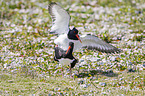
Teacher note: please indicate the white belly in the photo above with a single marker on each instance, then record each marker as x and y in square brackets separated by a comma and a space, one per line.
[65, 61]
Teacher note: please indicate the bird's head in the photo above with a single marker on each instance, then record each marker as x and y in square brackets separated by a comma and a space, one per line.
[73, 34]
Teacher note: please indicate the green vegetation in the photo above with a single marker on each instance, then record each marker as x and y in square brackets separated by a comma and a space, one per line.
[26, 49]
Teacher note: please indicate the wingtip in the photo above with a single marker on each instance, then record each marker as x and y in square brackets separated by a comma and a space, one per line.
[52, 3]
[119, 50]
[52, 32]
[115, 50]
[50, 6]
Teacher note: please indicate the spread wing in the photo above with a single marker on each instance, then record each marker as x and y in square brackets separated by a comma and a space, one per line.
[60, 19]
[93, 42]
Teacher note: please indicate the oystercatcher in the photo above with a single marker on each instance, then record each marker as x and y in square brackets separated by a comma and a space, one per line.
[60, 26]
[65, 57]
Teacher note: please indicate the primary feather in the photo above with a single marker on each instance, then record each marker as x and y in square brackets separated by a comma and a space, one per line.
[60, 19]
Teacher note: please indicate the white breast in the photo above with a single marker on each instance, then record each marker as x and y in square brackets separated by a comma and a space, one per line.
[63, 42]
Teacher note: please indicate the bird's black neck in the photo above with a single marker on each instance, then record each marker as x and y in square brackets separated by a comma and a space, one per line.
[69, 53]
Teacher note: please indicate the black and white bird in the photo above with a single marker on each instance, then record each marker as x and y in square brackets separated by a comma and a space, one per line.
[65, 57]
[60, 20]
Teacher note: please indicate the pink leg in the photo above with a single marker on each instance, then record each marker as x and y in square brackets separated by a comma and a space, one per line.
[62, 71]
[70, 72]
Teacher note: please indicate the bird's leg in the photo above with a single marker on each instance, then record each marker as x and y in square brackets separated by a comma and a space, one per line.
[70, 72]
[62, 71]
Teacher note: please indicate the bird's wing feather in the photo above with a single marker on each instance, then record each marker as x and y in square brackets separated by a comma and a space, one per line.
[59, 52]
[93, 42]
[60, 19]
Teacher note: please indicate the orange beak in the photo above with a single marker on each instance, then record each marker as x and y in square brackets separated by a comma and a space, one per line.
[68, 49]
[78, 38]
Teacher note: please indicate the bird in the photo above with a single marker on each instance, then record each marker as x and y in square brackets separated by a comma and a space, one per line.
[60, 26]
[65, 57]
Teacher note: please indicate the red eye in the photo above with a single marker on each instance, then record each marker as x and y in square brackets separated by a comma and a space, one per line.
[74, 32]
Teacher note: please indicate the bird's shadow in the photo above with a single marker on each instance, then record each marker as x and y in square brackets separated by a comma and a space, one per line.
[94, 72]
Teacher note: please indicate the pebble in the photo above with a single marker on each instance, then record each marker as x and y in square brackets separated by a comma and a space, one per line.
[102, 83]
[10, 81]
[49, 94]
[81, 82]
[103, 93]
[96, 81]
[113, 58]
[84, 85]
[121, 79]
[131, 70]
[122, 95]
[93, 59]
